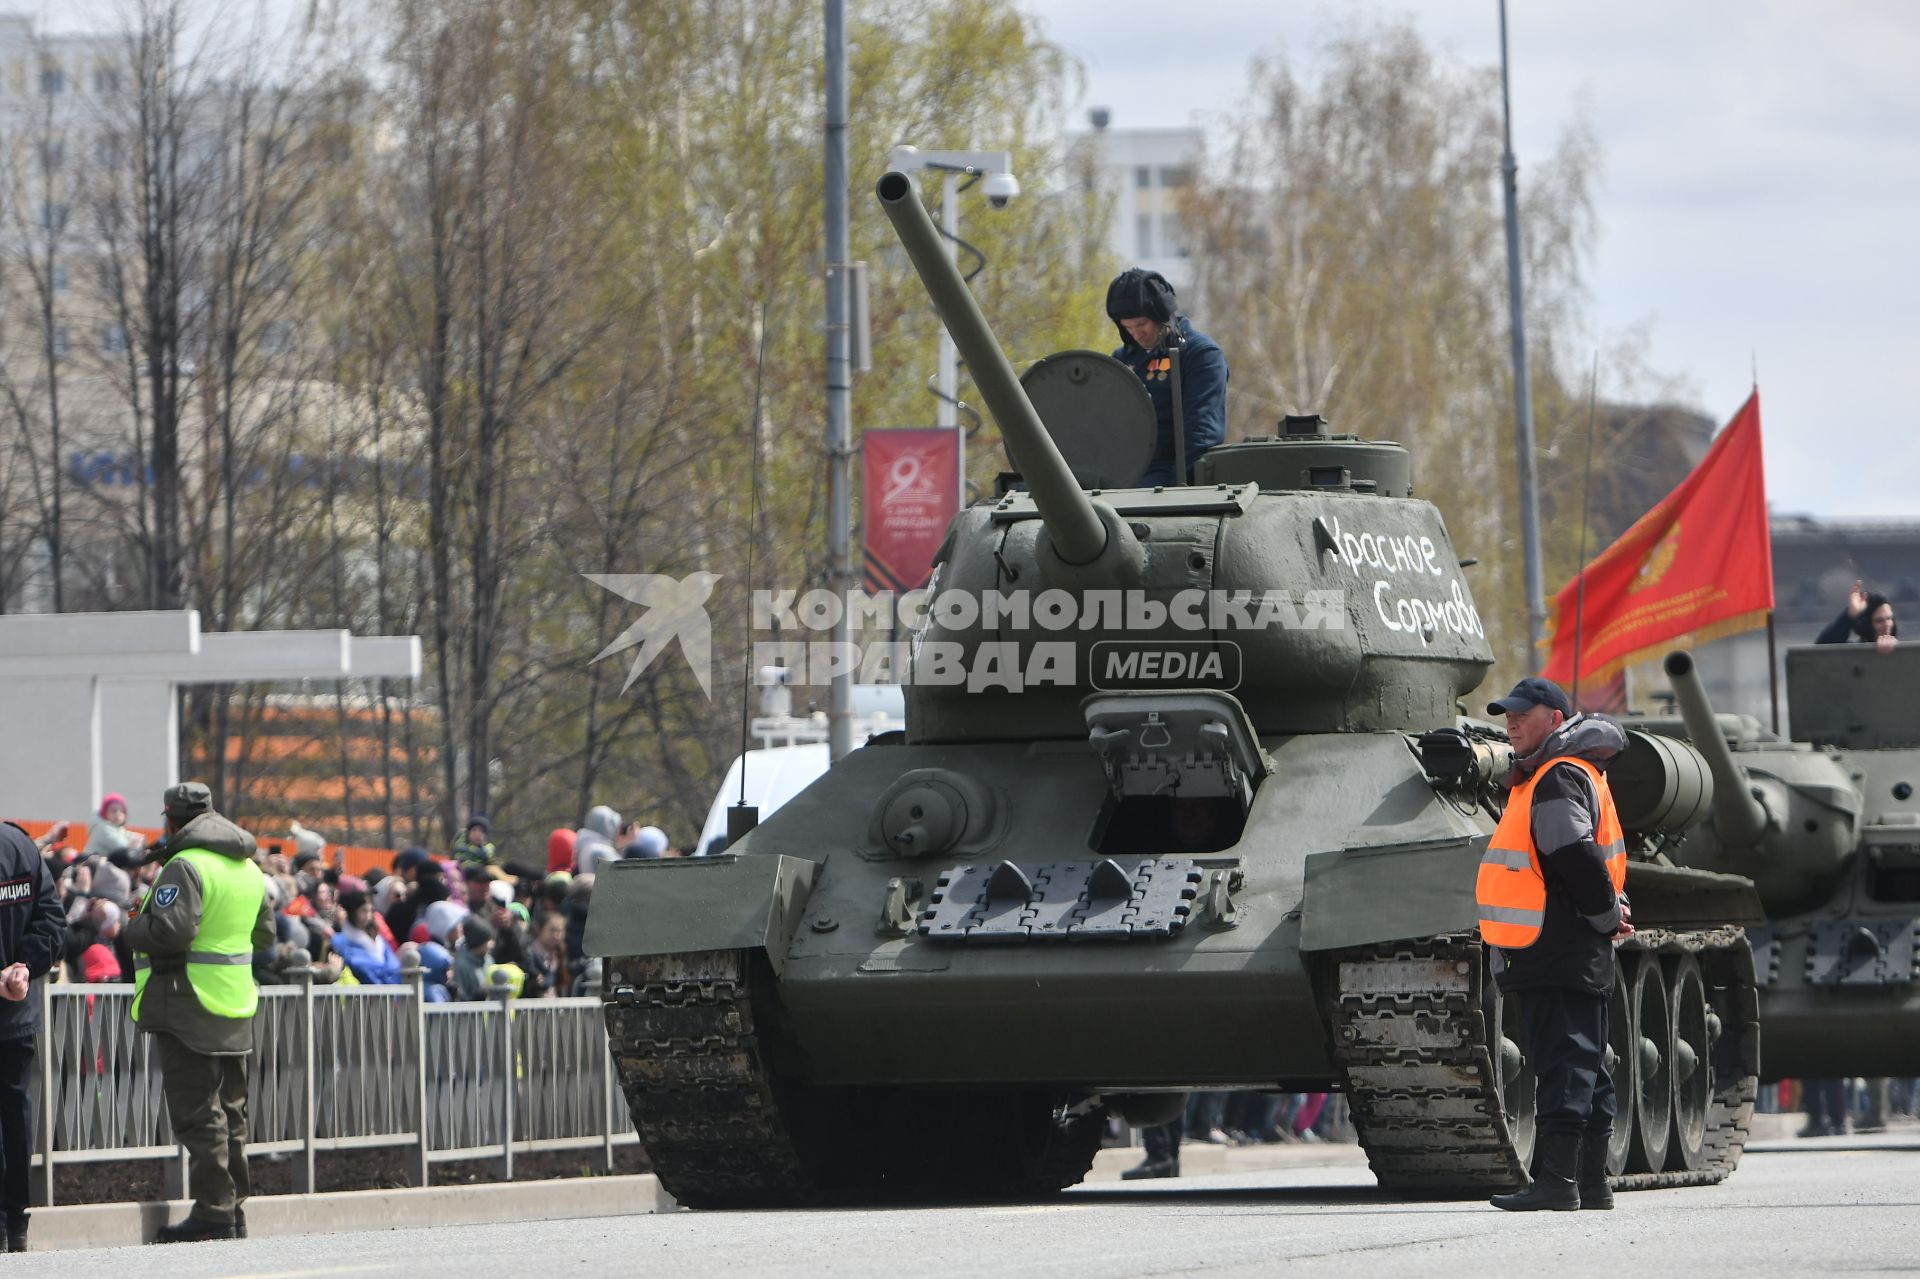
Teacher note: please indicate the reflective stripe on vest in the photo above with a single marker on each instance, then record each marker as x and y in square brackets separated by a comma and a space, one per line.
[1509, 886]
[219, 966]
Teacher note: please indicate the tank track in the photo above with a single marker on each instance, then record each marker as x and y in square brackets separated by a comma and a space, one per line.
[692, 1065]
[1409, 1035]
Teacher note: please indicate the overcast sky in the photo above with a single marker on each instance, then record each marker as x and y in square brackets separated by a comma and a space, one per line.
[1759, 202]
[1760, 195]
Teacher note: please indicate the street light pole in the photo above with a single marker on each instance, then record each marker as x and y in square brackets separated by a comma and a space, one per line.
[1522, 384]
[840, 567]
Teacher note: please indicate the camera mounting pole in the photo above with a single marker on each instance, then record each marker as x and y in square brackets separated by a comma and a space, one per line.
[1001, 186]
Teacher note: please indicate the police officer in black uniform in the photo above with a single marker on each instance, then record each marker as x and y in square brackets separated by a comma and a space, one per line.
[32, 932]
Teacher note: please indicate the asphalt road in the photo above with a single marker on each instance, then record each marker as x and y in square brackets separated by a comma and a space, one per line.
[1837, 1208]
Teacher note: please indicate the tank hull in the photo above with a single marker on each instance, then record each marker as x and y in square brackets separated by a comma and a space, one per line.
[1351, 875]
[1189, 1017]
[1223, 1000]
[1825, 1034]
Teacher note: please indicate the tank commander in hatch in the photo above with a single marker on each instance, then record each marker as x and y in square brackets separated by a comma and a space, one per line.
[1153, 334]
[1866, 617]
[1550, 888]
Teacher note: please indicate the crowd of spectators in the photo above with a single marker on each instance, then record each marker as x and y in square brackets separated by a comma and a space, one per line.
[1255, 1118]
[476, 921]
[1835, 1107]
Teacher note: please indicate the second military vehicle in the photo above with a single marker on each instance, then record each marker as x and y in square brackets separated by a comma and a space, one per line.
[1828, 828]
[1184, 799]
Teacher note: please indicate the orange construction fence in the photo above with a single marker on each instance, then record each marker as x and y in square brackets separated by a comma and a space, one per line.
[351, 859]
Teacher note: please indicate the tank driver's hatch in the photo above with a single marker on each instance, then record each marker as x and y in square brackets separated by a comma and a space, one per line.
[1182, 767]
[1097, 412]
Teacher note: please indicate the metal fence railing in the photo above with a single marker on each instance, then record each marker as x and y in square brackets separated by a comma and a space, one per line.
[339, 1068]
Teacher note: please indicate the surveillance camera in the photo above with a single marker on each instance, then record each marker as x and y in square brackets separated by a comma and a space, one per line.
[1001, 188]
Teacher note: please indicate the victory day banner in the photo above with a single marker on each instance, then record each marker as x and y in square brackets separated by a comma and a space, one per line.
[910, 488]
[1699, 565]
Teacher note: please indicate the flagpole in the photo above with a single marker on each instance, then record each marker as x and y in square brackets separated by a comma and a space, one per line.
[1773, 673]
[1773, 652]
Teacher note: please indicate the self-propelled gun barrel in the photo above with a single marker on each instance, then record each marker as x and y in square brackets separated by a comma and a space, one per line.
[1739, 817]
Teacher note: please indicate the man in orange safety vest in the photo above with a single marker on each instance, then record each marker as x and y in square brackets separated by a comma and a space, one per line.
[1552, 901]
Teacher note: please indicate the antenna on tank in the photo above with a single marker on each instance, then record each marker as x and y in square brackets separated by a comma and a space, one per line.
[1586, 505]
[1522, 385]
[742, 816]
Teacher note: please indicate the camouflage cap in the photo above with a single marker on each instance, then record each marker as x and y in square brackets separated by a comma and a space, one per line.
[187, 800]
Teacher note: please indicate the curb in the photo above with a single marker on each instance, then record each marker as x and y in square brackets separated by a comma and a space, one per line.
[124, 1224]
[121, 1225]
[1198, 1159]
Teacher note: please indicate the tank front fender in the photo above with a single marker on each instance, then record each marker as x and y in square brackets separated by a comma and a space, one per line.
[1359, 896]
[733, 901]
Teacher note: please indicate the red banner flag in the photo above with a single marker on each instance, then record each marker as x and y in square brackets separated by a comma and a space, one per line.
[1698, 565]
[910, 489]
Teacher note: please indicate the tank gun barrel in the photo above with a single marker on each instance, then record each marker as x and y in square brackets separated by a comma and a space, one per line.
[1078, 534]
[1739, 816]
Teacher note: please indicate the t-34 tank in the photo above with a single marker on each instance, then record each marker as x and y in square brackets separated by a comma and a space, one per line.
[1828, 828]
[1161, 817]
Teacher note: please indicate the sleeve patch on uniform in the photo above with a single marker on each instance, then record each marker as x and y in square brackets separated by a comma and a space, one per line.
[165, 894]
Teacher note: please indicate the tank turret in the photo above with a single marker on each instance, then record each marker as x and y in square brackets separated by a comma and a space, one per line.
[1739, 813]
[1783, 812]
[1304, 580]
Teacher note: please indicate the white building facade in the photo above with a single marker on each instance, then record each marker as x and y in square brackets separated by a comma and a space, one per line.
[1143, 172]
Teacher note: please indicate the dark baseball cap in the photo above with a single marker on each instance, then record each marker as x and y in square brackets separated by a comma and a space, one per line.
[187, 800]
[1529, 693]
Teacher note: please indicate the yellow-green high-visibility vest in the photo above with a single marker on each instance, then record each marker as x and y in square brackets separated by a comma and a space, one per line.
[220, 962]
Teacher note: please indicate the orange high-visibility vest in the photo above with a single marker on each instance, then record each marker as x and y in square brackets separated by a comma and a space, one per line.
[1510, 888]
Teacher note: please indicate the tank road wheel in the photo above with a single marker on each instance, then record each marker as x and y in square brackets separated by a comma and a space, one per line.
[1692, 1064]
[1620, 1066]
[1514, 1083]
[1652, 1051]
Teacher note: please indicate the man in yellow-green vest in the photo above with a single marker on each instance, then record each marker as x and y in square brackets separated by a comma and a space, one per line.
[193, 943]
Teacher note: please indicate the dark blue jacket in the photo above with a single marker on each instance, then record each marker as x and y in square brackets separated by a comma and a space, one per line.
[374, 964]
[1203, 387]
[1848, 627]
[32, 926]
